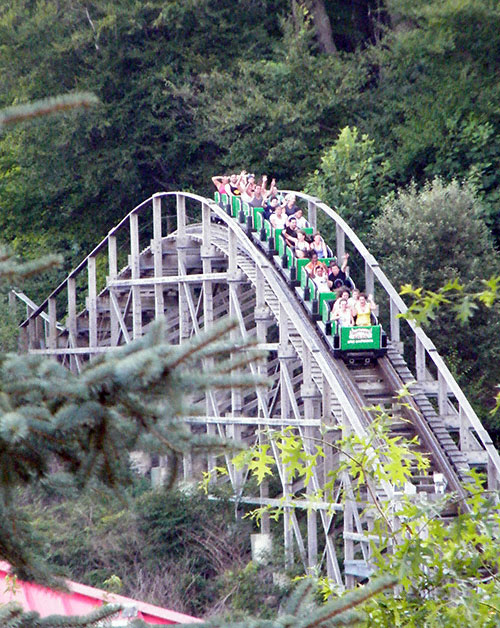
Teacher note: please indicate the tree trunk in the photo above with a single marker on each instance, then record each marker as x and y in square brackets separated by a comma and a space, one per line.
[323, 26]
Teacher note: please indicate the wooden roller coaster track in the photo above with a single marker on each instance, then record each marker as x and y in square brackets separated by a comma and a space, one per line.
[186, 261]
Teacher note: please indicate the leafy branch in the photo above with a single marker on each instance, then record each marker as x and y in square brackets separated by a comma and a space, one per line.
[453, 295]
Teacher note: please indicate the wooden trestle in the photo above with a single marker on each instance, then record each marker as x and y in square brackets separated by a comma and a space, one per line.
[191, 272]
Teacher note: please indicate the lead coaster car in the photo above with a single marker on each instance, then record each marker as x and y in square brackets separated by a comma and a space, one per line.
[359, 345]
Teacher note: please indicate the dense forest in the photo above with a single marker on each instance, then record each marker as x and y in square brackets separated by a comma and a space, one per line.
[386, 109]
[192, 88]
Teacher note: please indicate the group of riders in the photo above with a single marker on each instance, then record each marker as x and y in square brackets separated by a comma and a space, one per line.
[351, 306]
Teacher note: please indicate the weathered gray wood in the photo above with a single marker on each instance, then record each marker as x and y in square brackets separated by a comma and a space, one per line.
[232, 247]
[369, 279]
[187, 315]
[63, 351]
[442, 395]
[312, 214]
[115, 307]
[52, 335]
[156, 247]
[181, 214]
[206, 225]
[420, 360]
[167, 280]
[136, 273]
[71, 323]
[298, 504]
[312, 523]
[211, 458]
[112, 257]
[249, 420]
[287, 529]
[71, 320]
[187, 466]
[340, 242]
[348, 542]
[395, 329]
[92, 300]
[113, 272]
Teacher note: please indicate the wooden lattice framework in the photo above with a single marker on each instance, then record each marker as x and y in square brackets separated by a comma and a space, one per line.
[186, 261]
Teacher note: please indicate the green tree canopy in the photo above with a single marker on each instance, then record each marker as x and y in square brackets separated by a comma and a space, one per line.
[352, 177]
[427, 237]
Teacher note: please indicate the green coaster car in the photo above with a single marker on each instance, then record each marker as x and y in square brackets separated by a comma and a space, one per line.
[359, 345]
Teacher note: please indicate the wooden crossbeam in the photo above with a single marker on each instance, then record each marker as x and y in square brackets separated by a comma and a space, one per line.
[301, 504]
[116, 307]
[171, 279]
[252, 420]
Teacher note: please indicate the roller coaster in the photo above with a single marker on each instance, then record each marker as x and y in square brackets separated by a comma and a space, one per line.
[190, 260]
[352, 343]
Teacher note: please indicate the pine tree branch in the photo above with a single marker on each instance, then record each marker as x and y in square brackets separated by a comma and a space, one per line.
[349, 601]
[46, 106]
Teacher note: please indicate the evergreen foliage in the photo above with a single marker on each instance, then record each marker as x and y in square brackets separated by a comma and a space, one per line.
[124, 401]
[12, 616]
[21, 113]
[301, 610]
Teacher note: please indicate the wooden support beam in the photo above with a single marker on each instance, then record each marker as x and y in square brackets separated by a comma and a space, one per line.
[136, 273]
[113, 272]
[92, 300]
[52, 335]
[419, 360]
[71, 323]
[348, 541]
[249, 420]
[312, 524]
[232, 252]
[168, 280]
[395, 329]
[112, 257]
[63, 351]
[118, 315]
[369, 279]
[181, 214]
[71, 320]
[340, 243]
[206, 225]
[156, 247]
[442, 396]
[312, 214]
[298, 504]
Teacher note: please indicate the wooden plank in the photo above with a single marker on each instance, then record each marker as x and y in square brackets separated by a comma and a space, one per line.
[73, 350]
[156, 247]
[92, 300]
[117, 312]
[136, 273]
[52, 336]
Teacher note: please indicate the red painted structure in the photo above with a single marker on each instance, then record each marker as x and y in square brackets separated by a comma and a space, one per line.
[80, 600]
